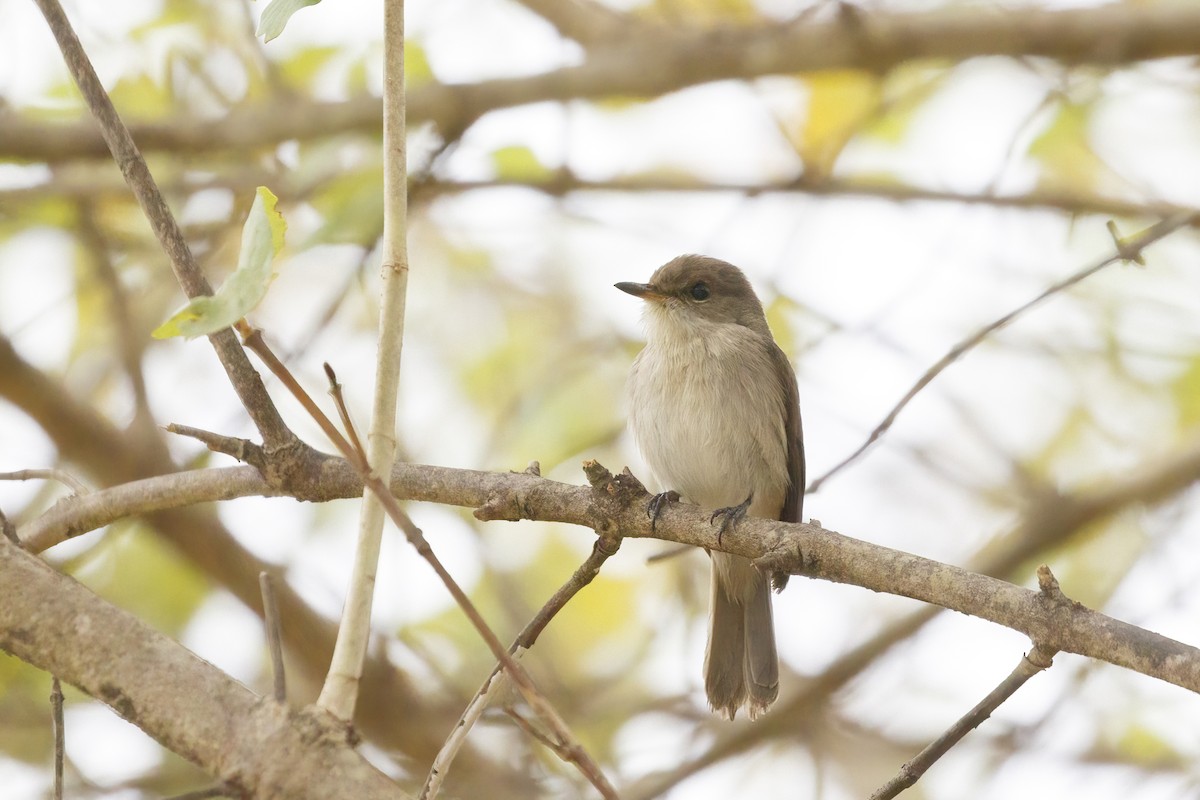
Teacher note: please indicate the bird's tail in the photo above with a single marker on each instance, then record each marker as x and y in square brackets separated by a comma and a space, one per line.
[741, 666]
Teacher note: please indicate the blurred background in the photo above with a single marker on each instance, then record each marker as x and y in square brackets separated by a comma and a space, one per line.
[882, 214]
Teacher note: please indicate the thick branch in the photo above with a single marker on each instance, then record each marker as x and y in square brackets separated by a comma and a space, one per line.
[619, 506]
[651, 66]
[585, 21]
[258, 747]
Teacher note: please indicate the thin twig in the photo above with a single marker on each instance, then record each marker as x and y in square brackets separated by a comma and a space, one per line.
[62, 476]
[130, 345]
[339, 694]
[274, 640]
[83, 513]
[1038, 659]
[669, 553]
[1127, 250]
[533, 731]
[339, 402]
[603, 548]
[425, 187]
[60, 747]
[244, 379]
[522, 680]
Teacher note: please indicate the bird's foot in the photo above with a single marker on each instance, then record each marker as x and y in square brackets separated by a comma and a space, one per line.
[656, 504]
[730, 516]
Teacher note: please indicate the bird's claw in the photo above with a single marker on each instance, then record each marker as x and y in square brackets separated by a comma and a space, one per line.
[730, 516]
[656, 504]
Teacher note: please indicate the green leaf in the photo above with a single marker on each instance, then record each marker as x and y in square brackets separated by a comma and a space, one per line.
[1186, 389]
[302, 68]
[518, 163]
[417, 71]
[1150, 749]
[262, 239]
[1064, 152]
[276, 15]
[840, 102]
[352, 207]
[905, 92]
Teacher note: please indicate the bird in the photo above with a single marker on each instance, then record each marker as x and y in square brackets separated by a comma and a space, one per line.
[715, 411]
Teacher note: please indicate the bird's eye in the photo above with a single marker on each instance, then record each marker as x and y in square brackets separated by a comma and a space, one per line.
[700, 291]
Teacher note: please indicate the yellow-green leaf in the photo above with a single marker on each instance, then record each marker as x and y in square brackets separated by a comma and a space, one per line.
[518, 163]
[262, 239]
[1186, 389]
[839, 103]
[276, 15]
[1064, 152]
[352, 207]
[417, 71]
[302, 68]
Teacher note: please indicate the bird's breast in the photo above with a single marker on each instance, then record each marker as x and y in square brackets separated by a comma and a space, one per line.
[708, 416]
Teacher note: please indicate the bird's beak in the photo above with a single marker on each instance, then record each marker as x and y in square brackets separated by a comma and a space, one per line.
[646, 291]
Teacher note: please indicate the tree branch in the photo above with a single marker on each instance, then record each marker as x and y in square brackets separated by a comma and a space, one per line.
[618, 505]
[112, 457]
[255, 745]
[246, 382]
[870, 187]
[564, 182]
[586, 21]
[647, 67]
[340, 691]
[1038, 659]
[1126, 250]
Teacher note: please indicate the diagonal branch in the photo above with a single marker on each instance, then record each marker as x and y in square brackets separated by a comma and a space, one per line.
[1038, 659]
[246, 382]
[109, 457]
[493, 685]
[380, 489]
[1126, 250]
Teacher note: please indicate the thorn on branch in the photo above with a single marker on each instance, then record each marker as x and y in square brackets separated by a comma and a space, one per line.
[1051, 593]
[534, 469]
[597, 474]
[1048, 585]
[243, 450]
[612, 496]
[1127, 249]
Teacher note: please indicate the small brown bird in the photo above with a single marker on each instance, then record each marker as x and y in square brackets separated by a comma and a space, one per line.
[715, 411]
